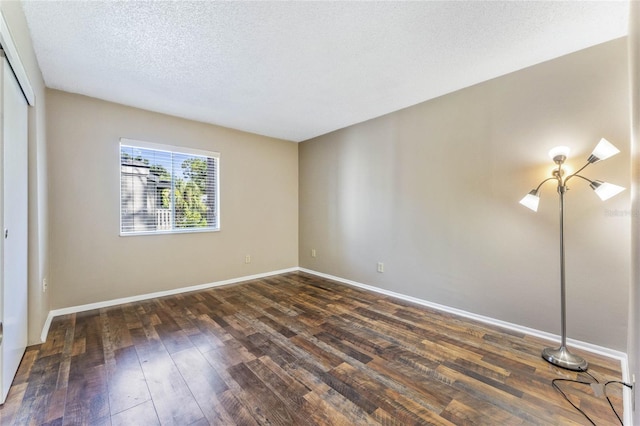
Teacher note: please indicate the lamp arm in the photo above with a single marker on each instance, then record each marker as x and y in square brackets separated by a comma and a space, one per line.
[581, 177]
[576, 174]
[544, 181]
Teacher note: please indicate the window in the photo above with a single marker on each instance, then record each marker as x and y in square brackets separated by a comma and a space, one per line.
[167, 189]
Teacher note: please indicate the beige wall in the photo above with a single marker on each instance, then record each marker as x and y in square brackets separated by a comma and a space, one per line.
[90, 262]
[38, 214]
[432, 191]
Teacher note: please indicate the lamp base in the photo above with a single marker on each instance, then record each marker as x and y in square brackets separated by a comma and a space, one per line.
[565, 359]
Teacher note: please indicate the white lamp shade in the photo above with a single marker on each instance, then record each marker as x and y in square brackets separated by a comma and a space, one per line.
[603, 150]
[531, 201]
[559, 150]
[606, 190]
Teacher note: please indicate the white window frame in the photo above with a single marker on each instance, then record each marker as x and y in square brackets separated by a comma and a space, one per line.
[174, 150]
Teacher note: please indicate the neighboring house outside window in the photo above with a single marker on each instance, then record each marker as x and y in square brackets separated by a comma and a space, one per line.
[166, 189]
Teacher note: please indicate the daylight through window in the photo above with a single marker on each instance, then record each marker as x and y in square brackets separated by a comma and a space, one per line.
[167, 189]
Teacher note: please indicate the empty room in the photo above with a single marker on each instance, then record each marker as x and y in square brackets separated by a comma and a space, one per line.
[319, 213]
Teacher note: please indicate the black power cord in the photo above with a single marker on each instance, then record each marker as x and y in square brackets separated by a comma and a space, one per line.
[609, 401]
[556, 387]
[604, 389]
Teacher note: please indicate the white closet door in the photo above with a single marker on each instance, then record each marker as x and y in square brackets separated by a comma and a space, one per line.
[13, 281]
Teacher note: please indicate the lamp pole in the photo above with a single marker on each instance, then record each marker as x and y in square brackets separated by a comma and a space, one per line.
[562, 189]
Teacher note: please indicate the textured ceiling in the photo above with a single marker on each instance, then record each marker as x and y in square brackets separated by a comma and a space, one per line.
[295, 70]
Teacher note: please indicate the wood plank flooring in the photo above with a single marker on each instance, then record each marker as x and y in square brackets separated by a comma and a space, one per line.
[293, 349]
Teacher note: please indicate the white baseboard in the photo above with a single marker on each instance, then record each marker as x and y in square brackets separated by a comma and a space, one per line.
[81, 308]
[610, 353]
[627, 394]
[601, 350]
[45, 327]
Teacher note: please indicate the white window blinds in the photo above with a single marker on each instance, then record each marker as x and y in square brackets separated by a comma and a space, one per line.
[167, 189]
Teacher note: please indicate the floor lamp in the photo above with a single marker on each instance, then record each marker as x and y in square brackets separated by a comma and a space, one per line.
[561, 356]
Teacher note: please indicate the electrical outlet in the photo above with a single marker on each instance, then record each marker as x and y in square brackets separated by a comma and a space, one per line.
[380, 267]
[44, 285]
[313, 252]
[247, 259]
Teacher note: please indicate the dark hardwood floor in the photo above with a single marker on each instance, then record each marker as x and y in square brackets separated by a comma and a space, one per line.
[293, 349]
